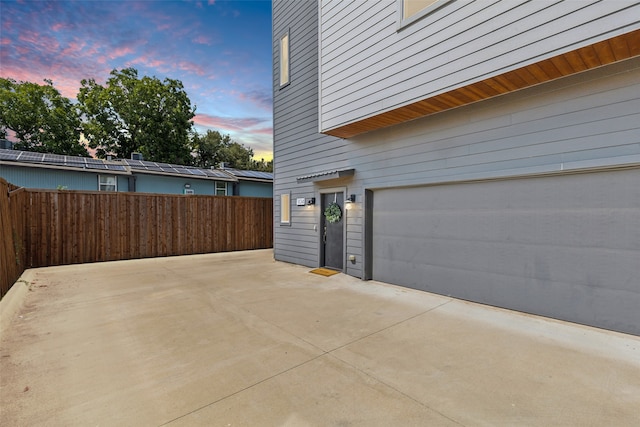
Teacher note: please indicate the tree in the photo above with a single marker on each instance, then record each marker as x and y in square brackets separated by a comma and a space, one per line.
[208, 148]
[41, 118]
[132, 114]
[238, 156]
[214, 148]
[262, 166]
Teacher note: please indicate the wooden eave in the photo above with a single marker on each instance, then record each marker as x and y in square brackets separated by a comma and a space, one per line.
[615, 49]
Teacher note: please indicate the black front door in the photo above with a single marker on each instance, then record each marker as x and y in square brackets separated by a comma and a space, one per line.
[333, 232]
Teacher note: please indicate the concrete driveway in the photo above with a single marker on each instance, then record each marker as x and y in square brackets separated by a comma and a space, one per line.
[237, 339]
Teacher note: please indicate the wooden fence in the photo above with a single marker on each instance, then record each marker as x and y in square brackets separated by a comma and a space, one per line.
[13, 254]
[69, 227]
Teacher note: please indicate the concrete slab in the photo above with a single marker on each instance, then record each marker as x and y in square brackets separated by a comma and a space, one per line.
[239, 339]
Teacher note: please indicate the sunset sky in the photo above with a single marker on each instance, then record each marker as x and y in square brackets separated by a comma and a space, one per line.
[220, 50]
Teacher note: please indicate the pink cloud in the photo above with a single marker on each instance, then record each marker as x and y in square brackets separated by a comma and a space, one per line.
[211, 2]
[191, 67]
[73, 48]
[227, 123]
[67, 86]
[42, 42]
[120, 51]
[146, 61]
[60, 26]
[5, 42]
[202, 40]
[263, 131]
[261, 99]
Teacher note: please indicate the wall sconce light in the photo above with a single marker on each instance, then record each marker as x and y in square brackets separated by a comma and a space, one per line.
[311, 201]
[187, 185]
[351, 198]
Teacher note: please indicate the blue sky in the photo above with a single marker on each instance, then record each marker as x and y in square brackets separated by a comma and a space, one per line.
[220, 50]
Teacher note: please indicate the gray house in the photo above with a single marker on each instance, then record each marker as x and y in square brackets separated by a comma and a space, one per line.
[487, 150]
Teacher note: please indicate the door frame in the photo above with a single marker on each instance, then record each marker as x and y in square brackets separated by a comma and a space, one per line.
[321, 192]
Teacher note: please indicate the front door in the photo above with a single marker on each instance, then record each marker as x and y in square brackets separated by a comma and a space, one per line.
[332, 232]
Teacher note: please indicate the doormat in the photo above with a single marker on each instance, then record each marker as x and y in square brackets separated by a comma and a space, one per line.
[324, 272]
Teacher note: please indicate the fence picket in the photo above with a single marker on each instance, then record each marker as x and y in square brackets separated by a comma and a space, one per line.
[45, 228]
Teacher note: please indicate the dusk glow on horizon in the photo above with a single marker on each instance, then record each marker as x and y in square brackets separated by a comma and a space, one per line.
[220, 50]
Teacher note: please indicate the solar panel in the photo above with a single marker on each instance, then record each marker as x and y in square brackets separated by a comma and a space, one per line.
[99, 166]
[196, 171]
[8, 154]
[91, 161]
[138, 164]
[133, 163]
[60, 160]
[215, 173]
[121, 165]
[164, 166]
[26, 156]
[251, 174]
[70, 161]
[113, 167]
[182, 171]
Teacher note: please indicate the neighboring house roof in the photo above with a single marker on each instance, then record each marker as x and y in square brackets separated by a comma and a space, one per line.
[59, 162]
[244, 175]
[126, 166]
[143, 166]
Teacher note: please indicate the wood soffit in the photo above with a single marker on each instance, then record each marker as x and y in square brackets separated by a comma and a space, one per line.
[585, 58]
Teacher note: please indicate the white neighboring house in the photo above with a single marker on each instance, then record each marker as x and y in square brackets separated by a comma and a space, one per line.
[492, 149]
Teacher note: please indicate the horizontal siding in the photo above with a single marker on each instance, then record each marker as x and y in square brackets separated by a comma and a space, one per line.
[585, 120]
[147, 183]
[296, 129]
[51, 179]
[254, 189]
[588, 117]
[368, 66]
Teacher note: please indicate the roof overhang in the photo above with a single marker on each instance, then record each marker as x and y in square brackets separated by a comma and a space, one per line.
[325, 176]
[618, 48]
[243, 178]
[63, 168]
[182, 175]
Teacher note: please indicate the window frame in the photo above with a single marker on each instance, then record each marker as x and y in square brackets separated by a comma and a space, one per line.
[405, 22]
[285, 206]
[101, 184]
[284, 36]
[216, 188]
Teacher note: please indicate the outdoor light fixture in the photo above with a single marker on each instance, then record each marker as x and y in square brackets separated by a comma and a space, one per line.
[311, 201]
[187, 185]
[351, 198]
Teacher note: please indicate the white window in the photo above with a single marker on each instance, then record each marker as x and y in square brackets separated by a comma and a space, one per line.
[284, 59]
[107, 183]
[221, 188]
[412, 10]
[285, 208]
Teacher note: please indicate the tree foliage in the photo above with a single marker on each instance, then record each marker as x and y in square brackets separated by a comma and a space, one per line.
[42, 119]
[207, 148]
[128, 114]
[131, 114]
[214, 148]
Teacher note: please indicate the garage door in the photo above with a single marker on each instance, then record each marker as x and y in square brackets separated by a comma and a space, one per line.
[561, 246]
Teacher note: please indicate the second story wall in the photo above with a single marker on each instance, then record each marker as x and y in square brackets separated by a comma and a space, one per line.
[371, 62]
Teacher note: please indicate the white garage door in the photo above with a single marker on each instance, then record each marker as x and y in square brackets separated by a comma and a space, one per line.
[563, 246]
